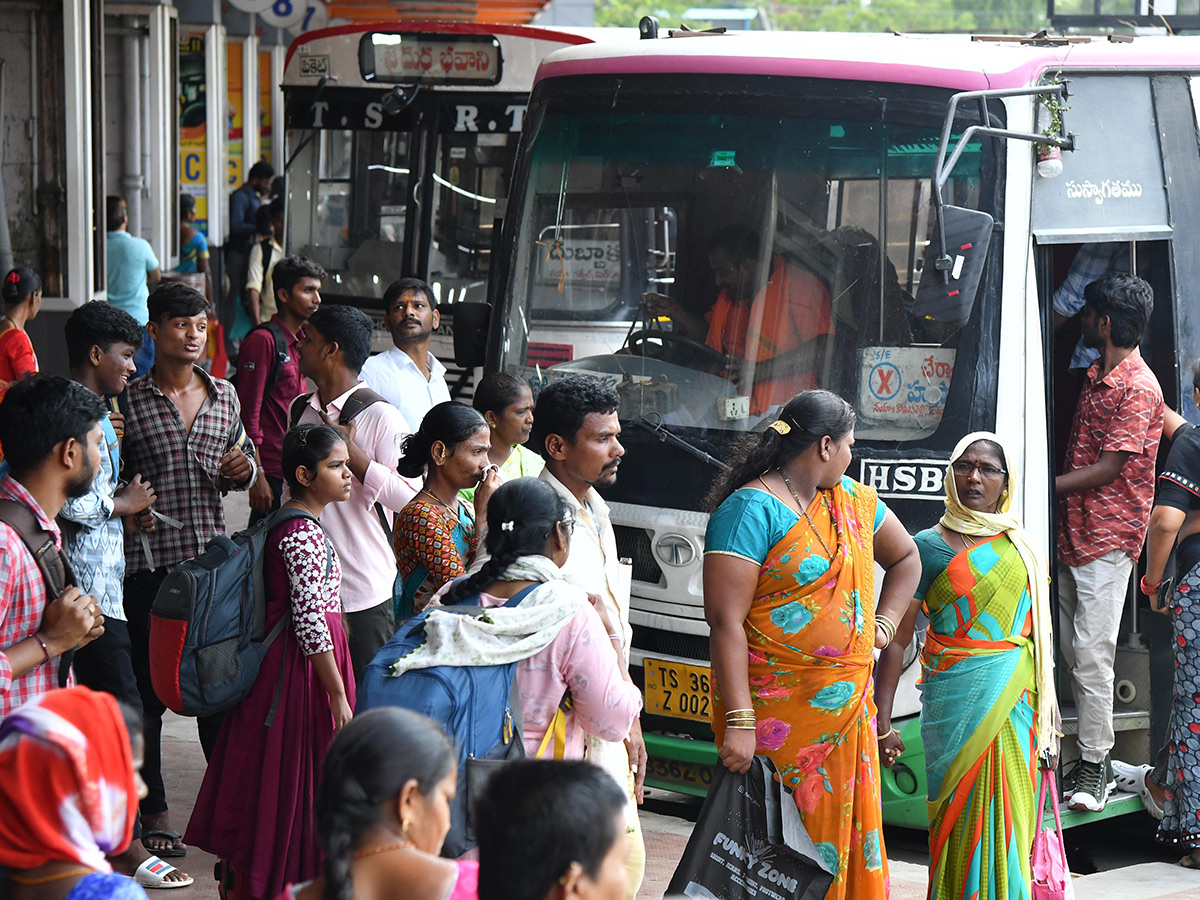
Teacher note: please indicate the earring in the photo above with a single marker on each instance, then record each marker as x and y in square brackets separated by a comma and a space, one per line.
[404, 822]
[825, 456]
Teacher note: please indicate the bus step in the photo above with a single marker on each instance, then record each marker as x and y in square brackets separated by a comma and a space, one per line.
[1131, 720]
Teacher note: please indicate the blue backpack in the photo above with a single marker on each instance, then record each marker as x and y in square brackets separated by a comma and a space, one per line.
[478, 707]
[208, 631]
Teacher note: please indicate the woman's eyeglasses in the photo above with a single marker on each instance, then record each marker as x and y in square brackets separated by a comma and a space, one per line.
[964, 470]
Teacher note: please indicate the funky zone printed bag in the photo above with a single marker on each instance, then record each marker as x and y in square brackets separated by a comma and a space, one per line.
[749, 843]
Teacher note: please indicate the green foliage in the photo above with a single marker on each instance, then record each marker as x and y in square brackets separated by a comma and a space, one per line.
[979, 16]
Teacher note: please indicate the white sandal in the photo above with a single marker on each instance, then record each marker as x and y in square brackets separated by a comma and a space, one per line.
[153, 872]
[1132, 779]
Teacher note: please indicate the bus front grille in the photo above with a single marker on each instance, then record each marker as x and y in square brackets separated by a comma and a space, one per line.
[634, 543]
[653, 641]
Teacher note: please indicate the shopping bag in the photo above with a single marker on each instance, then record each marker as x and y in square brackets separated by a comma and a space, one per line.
[749, 843]
[1051, 877]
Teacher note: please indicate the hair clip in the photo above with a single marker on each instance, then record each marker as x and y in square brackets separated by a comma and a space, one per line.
[506, 526]
[14, 277]
[780, 427]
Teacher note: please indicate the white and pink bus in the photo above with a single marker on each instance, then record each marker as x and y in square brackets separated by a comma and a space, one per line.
[902, 171]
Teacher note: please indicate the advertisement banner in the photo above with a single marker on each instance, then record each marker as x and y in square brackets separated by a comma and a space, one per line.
[265, 90]
[193, 144]
[233, 112]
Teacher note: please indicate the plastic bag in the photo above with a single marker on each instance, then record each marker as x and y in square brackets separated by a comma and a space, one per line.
[749, 843]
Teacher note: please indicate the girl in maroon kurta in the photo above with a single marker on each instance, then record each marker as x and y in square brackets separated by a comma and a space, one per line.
[255, 808]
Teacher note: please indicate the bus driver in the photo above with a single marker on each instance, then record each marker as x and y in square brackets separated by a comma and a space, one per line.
[775, 328]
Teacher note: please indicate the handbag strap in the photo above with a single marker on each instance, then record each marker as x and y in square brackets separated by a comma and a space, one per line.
[1048, 777]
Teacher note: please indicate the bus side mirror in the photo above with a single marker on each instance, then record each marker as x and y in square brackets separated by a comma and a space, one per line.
[950, 300]
[470, 333]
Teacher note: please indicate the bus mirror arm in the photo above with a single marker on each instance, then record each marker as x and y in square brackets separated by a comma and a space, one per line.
[943, 167]
[659, 430]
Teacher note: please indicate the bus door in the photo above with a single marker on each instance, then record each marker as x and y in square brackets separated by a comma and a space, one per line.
[1109, 211]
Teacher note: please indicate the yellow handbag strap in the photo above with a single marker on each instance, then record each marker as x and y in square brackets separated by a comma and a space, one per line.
[557, 729]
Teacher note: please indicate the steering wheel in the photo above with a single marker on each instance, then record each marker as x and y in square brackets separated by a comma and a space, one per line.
[678, 349]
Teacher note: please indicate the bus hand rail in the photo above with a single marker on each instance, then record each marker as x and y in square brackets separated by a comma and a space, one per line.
[943, 167]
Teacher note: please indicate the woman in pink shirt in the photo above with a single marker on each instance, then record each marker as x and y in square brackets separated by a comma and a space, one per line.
[573, 647]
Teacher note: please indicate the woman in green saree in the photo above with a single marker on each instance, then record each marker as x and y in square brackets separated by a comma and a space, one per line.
[988, 704]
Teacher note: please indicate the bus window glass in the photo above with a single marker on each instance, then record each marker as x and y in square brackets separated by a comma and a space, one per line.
[787, 249]
[470, 184]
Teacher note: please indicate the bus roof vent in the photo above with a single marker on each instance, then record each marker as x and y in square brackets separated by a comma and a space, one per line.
[648, 28]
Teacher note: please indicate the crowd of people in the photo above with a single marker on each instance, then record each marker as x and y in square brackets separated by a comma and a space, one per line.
[382, 499]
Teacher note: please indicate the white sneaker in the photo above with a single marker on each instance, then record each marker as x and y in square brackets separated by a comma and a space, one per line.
[1091, 787]
[1133, 779]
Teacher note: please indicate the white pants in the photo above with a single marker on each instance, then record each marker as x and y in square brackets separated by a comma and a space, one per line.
[1091, 599]
[613, 758]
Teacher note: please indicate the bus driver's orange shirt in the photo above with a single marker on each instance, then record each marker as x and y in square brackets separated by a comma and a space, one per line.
[792, 308]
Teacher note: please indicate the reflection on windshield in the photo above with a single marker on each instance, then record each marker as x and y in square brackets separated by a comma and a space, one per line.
[711, 267]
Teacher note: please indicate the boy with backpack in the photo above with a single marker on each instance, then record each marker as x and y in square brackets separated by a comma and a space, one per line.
[332, 351]
[269, 377]
[51, 431]
[184, 434]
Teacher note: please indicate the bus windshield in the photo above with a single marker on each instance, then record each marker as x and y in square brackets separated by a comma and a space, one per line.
[749, 244]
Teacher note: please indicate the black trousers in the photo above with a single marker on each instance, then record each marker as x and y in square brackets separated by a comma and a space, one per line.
[367, 631]
[140, 590]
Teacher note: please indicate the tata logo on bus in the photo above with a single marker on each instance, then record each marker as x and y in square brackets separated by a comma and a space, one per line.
[905, 479]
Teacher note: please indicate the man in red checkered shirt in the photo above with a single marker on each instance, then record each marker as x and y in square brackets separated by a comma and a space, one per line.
[50, 431]
[1105, 494]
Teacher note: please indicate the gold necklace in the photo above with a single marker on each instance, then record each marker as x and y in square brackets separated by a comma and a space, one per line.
[307, 508]
[46, 879]
[804, 512]
[383, 848]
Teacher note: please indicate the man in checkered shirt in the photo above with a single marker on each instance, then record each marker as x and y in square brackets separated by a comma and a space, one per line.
[50, 430]
[184, 435]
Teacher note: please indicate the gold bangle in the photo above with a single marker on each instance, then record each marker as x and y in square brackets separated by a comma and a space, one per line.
[741, 728]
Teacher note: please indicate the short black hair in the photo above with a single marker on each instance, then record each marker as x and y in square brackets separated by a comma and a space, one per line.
[262, 221]
[538, 817]
[174, 300]
[497, 391]
[738, 241]
[348, 327]
[187, 206]
[261, 169]
[276, 206]
[563, 406]
[40, 412]
[115, 212]
[1127, 300]
[291, 270]
[402, 286]
[99, 324]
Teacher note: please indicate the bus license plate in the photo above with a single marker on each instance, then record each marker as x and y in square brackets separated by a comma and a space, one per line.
[692, 778]
[676, 689]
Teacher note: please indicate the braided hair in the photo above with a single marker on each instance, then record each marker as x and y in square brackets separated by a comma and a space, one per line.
[520, 516]
[810, 416]
[368, 764]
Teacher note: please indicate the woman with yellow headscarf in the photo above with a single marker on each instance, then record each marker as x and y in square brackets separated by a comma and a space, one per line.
[987, 691]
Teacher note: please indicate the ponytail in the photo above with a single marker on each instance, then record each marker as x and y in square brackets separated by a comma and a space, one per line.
[803, 421]
[521, 514]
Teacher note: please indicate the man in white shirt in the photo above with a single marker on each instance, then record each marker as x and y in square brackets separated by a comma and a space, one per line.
[408, 376]
[575, 427]
[266, 252]
[334, 344]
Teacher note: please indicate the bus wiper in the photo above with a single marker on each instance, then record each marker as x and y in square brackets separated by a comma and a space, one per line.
[660, 431]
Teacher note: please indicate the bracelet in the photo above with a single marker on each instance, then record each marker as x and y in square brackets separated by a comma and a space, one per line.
[46, 650]
[887, 734]
[741, 728]
[887, 626]
[614, 637]
[1147, 587]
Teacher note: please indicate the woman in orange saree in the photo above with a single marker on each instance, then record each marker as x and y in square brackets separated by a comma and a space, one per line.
[789, 595]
